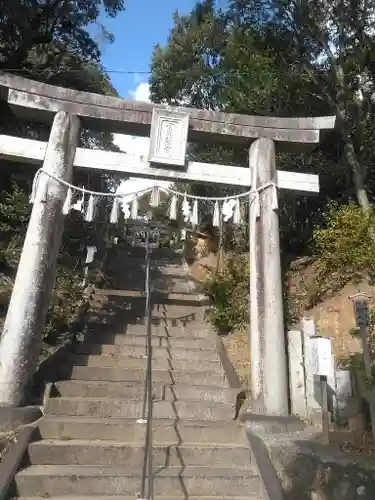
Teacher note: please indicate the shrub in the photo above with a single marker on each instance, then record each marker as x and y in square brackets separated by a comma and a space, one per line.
[343, 249]
[14, 212]
[228, 291]
[66, 296]
[344, 246]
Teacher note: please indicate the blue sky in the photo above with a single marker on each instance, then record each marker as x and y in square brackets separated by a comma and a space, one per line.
[137, 30]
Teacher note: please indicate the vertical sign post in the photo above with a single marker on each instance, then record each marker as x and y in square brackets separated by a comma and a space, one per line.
[361, 304]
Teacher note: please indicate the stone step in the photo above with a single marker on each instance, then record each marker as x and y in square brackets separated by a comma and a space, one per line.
[132, 408]
[169, 392]
[112, 374]
[194, 331]
[69, 480]
[164, 266]
[94, 452]
[134, 300]
[173, 283]
[171, 269]
[156, 341]
[179, 314]
[102, 336]
[164, 431]
[163, 262]
[138, 351]
[137, 310]
[118, 361]
[186, 306]
[124, 497]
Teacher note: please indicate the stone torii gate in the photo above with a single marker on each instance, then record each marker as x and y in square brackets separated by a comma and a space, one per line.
[169, 129]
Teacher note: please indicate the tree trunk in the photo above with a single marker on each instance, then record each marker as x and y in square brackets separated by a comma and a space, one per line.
[352, 160]
[358, 177]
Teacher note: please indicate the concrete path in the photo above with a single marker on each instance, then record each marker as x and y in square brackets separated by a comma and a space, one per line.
[90, 444]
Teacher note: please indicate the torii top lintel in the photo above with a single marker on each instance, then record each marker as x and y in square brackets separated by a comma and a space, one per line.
[41, 101]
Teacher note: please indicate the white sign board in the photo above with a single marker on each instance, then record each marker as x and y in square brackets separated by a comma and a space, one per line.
[168, 139]
[308, 327]
[90, 254]
[321, 356]
[321, 363]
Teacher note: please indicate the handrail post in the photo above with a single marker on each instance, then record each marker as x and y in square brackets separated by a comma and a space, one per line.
[150, 409]
[325, 411]
[149, 370]
[147, 469]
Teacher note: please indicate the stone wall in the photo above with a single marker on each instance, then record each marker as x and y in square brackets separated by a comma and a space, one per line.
[311, 471]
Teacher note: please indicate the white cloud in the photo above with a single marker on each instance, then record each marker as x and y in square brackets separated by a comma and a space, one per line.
[141, 93]
[136, 146]
[131, 145]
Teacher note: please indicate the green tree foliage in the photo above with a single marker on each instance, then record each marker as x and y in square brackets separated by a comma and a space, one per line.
[343, 245]
[50, 34]
[186, 70]
[341, 248]
[51, 41]
[287, 58]
[333, 43]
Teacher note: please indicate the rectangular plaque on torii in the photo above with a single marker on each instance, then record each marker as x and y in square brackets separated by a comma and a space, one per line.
[168, 137]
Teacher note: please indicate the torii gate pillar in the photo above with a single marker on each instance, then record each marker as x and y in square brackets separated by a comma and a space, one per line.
[267, 338]
[25, 319]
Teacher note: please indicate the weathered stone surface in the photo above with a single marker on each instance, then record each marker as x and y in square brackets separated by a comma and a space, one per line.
[23, 327]
[117, 453]
[126, 429]
[311, 471]
[46, 480]
[132, 117]
[112, 374]
[11, 418]
[31, 151]
[123, 390]
[268, 359]
[139, 351]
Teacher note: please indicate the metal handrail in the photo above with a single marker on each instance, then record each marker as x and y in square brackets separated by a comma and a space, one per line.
[147, 469]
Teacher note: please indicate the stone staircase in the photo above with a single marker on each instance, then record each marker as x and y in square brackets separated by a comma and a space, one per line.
[90, 443]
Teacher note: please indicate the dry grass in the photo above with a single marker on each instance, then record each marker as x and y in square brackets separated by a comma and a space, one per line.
[333, 316]
[238, 349]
